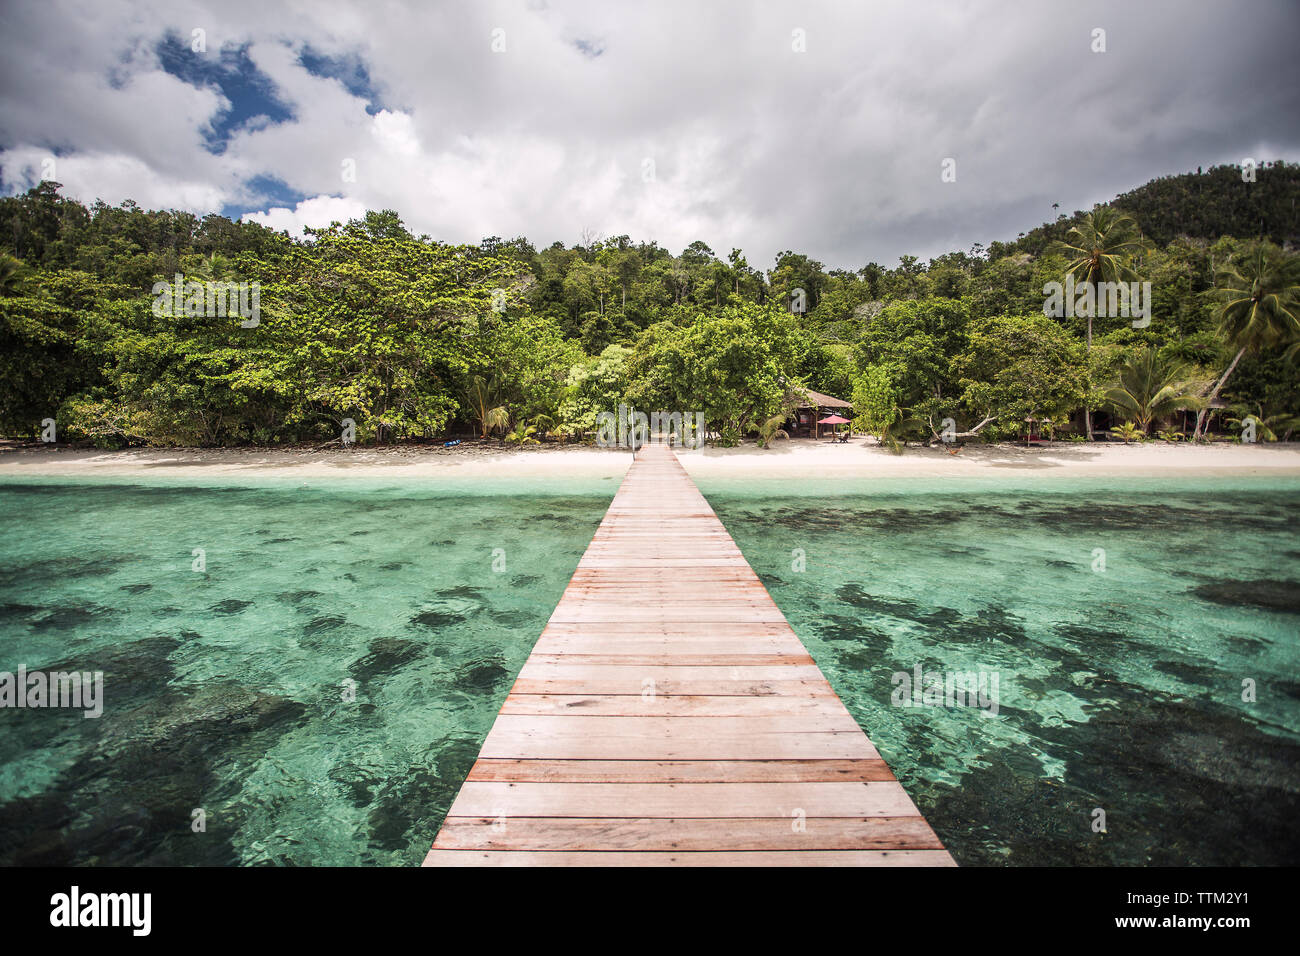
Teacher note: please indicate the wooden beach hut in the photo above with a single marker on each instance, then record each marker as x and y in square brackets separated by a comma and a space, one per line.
[816, 406]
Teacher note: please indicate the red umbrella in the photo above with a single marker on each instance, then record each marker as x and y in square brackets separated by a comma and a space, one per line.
[833, 420]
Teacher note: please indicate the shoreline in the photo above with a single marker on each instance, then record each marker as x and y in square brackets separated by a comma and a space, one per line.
[790, 460]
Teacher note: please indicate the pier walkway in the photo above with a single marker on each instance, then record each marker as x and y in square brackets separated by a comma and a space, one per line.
[669, 716]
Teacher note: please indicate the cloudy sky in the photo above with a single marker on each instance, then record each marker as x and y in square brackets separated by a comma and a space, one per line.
[821, 128]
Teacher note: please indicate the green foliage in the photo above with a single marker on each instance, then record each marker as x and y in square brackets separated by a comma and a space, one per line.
[875, 399]
[1201, 205]
[365, 321]
[1260, 307]
[592, 386]
[918, 340]
[733, 365]
[1260, 296]
[770, 430]
[482, 398]
[1267, 427]
[877, 409]
[1018, 367]
[522, 434]
[1101, 245]
[1152, 386]
[1128, 432]
[40, 362]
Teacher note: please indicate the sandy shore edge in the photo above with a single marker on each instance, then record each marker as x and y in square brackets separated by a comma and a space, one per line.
[788, 460]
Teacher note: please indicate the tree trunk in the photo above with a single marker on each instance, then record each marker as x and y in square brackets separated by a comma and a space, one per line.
[1201, 415]
[1087, 409]
[971, 433]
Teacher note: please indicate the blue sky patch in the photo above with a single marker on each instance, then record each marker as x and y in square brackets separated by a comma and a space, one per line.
[267, 191]
[250, 91]
[350, 70]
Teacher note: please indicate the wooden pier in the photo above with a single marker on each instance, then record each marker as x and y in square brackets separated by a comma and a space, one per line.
[669, 716]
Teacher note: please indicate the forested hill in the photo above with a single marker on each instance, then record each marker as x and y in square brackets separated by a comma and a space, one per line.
[412, 338]
[1205, 204]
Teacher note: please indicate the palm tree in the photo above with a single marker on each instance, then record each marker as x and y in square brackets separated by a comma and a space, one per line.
[897, 427]
[1128, 431]
[1099, 248]
[1292, 348]
[483, 405]
[544, 424]
[13, 275]
[1266, 426]
[1260, 308]
[523, 435]
[1151, 387]
[217, 266]
[770, 430]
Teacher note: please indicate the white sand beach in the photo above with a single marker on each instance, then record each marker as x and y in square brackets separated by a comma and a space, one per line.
[795, 459]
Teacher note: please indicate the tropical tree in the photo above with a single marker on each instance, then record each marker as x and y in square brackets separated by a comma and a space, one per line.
[1100, 248]
[1017, 367]
[732, 365]
[1266, 426]
[593, 385]
[1260, 307]
[1151, 386]
[482, 397]
[1128, 432]
[12, 273]
[918, 340]
[875, 400]
[368, 321]
[523, 435]
[770, 430]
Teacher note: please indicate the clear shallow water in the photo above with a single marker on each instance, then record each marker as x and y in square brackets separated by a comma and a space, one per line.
[224, 690]
[1118, 690]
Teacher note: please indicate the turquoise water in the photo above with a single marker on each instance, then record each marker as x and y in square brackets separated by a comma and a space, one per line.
[225, 688]
[1118, 690]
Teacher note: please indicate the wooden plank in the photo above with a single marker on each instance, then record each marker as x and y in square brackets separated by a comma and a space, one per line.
[669, 716]
[544, 670]
[675, 687]
[743, 746]
[663, 727]
[727, 647]
[697, 858]
[719, 630]
[670, 659]
[679, 771]
[762, 833]
[679, 800]
[629, 705]
[602, 613]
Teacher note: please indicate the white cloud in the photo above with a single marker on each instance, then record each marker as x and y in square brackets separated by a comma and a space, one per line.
[834, 151]
[112, 177]
[317, 213]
